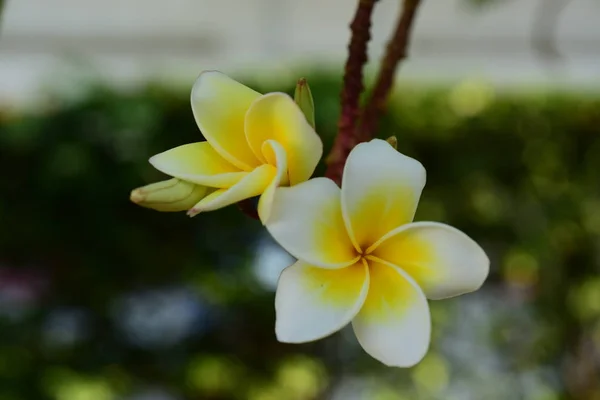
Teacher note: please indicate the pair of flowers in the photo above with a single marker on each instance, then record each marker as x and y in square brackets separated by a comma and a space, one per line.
[361, 259]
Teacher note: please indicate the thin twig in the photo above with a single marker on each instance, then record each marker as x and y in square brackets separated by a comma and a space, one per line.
[353, 87]
[396, 51]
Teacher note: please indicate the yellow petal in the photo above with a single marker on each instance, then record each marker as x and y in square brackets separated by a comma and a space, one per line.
[253, 184]
[273, 150]
[276, 116]
[219, 104]
[441, 259]
[169, 196]
[394, 324]
[313, 302]
[306, 220]
[380, 191]
[198, 163]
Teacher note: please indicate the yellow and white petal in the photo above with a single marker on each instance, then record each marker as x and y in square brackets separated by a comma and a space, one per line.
[198, 163]
[219, 104]
[276, 116]
[380, 190]
[444, 261]
[313, 302]
[394, 325]
[306, 220]
[251, 185]
[276, 153]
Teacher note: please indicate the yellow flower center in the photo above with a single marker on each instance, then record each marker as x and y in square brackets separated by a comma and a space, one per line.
[365, 255]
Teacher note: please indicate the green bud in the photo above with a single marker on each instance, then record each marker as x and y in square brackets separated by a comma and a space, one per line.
[303, 97]
[170, 195]
[393, 142]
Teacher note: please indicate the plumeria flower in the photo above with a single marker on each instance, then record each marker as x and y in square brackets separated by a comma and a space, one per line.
[254, 144]
[361, 259]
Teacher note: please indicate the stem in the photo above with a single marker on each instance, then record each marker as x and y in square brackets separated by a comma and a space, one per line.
[396, 51]
[353, 87]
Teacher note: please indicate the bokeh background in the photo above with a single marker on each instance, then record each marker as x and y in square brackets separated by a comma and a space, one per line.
[103, 300]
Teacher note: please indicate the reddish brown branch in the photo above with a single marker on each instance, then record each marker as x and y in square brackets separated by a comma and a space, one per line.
[353, 87]
[396, 51]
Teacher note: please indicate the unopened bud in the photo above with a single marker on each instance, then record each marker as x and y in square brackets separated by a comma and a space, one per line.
[304, 100]
[171, 195]
[393, 142]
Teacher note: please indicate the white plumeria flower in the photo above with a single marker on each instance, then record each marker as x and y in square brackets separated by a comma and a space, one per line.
[361, 259]
[254, 144]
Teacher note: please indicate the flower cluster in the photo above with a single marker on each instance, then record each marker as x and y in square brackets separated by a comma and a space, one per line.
[360, 257]
[254, 144]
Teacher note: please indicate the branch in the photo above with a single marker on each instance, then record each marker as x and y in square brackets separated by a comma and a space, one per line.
[396, 51]
[353, 87]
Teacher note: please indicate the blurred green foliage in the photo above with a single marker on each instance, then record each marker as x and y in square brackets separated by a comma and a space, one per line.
[94, 289]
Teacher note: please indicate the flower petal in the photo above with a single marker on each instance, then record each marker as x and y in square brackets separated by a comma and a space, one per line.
[306, 220]
[380, 190]
[219, 104]
[313, 302]
[394, 324]
[198, 163]
[276, 116]
[443, 260]
[272, 150]
[251, 185]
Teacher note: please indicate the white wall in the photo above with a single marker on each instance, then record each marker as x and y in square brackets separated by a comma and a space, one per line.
[128, 41]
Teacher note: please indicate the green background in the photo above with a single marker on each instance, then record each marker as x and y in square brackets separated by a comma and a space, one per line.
[102, 300]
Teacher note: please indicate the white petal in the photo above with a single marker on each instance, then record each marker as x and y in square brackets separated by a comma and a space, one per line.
[380, 190]
[313, 302]
[443, 260]
[394, 324]
[219, 104]
[306, 220]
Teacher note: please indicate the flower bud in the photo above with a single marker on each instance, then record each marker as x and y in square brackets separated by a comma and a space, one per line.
[171, 195]
[393, 142]
[304, 100]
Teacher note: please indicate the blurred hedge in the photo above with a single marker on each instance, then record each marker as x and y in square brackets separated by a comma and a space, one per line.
[519, 173]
